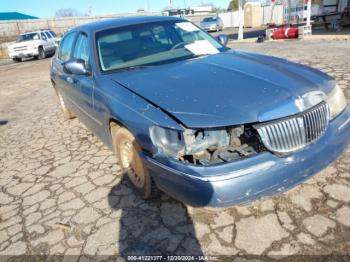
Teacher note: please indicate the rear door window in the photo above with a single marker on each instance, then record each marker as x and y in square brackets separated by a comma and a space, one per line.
[53, 33]
[48, 34]
[43, 36]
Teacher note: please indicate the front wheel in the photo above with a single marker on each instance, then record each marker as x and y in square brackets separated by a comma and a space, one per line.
[41, 54]
[127, 151]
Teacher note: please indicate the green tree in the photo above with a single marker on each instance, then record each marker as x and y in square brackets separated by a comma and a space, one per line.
[233, 6]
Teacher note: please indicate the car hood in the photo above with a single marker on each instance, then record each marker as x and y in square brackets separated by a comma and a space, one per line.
[208, 23]
[225, 89]
[24, 43]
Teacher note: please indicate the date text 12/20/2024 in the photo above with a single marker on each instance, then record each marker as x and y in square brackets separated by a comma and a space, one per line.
[172, 258]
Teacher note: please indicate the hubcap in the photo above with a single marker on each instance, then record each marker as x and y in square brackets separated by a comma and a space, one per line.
[131, 162]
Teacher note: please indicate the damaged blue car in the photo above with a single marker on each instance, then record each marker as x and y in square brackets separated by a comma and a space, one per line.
[183, 113]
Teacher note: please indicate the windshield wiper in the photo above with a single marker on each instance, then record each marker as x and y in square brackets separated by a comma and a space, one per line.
[132, 67]
[196, 56]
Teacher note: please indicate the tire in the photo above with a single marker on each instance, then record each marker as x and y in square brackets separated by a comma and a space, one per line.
[66, 112]
[41, 54]
[17, 60]
[127, 152]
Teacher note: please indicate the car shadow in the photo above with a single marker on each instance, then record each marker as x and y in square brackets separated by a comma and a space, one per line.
[3, 122]
[157, 226]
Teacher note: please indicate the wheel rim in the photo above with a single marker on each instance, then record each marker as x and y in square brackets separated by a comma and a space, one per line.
[41, 54]
[131, 162]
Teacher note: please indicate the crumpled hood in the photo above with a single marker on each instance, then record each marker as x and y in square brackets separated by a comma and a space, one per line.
[225, 89]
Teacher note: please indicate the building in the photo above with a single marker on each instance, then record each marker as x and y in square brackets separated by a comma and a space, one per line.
[202, 10]
[15, 16]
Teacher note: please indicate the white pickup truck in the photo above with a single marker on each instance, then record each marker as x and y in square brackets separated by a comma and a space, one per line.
[37, 44]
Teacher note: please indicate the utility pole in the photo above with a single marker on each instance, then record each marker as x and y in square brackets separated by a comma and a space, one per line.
[240, 22]
[308, 13]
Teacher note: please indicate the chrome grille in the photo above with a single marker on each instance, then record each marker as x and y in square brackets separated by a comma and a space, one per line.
[20, 48]
[293, 133]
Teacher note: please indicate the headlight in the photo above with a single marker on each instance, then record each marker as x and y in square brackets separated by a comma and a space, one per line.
[336, 101]
[178, 144]
[168, 141]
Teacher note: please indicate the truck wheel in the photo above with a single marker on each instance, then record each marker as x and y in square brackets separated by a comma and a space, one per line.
[66, 112]
[127, 152]
[41, 54]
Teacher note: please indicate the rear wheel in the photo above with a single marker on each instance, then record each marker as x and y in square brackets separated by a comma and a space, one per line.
[66, 112]
[127, 151]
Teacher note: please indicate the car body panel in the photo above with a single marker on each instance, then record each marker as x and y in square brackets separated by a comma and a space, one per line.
[242, 88]
[212, 25]
[225, 89]
[30, 48]
[243, 181]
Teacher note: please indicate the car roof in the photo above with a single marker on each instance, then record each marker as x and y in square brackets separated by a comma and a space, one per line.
[36, 32]
[124, 21]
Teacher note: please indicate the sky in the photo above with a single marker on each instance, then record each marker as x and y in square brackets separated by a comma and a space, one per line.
[45, 8]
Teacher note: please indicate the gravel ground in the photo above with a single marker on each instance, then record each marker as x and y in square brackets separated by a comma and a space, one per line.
[62, 193]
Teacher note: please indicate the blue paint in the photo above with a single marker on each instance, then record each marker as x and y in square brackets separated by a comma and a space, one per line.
[219, 90]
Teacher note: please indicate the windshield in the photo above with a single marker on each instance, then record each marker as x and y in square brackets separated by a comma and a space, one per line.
[210, 19]
[152, 44]
[27, 37]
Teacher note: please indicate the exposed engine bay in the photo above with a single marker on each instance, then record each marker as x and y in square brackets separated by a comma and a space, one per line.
[207, 147]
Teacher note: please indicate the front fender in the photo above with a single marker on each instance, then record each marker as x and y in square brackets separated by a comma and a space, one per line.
[113, 101]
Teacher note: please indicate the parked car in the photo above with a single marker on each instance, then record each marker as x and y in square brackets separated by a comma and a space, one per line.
[183, 113]
[212, 23]
[37, 44]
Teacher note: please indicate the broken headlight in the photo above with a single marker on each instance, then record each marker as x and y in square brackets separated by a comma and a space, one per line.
[168, 141]
[178, 144]
[205, 146]
[336, 101]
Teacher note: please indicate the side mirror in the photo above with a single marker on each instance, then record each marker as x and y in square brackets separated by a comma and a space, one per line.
[223, 39]
[76, 67]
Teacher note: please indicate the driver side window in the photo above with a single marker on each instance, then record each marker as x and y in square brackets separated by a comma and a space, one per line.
[81, 50]
[64, 53]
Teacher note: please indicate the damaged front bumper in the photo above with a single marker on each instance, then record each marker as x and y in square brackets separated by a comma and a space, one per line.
[252, 178]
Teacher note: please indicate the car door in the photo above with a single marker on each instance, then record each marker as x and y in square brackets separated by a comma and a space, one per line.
[85, 83]
[63, 81]
[51, 41]
[45, 42]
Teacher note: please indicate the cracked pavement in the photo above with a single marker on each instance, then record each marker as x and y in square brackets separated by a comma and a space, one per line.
[62, 192]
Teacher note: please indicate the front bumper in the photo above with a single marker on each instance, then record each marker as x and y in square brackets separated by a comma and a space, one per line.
[23, 54]
[252, 178]
[210, 28]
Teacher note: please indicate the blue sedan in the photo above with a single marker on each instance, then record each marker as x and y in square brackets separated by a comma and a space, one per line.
[185, 114]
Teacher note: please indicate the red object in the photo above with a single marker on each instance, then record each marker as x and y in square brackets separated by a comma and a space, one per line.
[292, 32]
[278, 33]
[283, 33]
